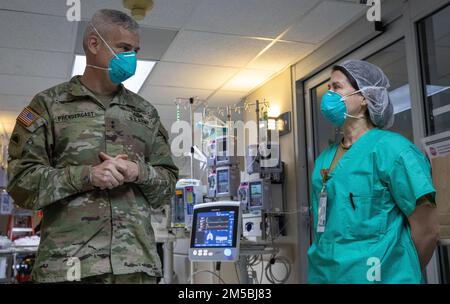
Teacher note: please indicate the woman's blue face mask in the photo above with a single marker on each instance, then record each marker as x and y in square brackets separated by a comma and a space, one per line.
[334, 109]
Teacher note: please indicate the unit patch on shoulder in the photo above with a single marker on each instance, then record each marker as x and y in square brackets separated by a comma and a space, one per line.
[28, 117]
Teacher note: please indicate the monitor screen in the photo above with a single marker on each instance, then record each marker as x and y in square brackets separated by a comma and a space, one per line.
[255, 194]
[215, 229]
[256, 189]
[223, 183]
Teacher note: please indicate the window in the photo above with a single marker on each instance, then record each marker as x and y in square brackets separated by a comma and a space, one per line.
[434, 39]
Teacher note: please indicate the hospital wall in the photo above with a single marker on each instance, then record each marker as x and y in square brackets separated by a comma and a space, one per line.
[278, 92]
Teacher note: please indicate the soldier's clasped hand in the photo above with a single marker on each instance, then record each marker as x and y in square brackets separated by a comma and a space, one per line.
[108, 174]
[128, 169]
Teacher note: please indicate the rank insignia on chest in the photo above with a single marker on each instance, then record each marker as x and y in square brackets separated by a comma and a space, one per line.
[27, 117]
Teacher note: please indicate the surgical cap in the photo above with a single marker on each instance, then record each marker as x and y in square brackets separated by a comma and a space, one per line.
[373, 84]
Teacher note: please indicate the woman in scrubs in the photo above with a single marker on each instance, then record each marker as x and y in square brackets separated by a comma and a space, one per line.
[372, 194]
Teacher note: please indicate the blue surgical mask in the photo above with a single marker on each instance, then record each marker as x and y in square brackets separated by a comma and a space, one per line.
[334, 109]
[122, 66]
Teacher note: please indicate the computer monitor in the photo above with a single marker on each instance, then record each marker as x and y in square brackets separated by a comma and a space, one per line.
[216, 231]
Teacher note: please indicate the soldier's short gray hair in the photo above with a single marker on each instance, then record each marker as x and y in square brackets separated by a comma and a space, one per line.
[103, 20]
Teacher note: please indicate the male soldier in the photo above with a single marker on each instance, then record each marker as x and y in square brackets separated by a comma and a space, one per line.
[94, 157]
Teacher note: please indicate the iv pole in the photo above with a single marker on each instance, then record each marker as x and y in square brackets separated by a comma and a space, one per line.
[191, 104]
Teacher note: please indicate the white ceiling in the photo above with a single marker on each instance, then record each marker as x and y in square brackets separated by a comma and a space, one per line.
[214, 49]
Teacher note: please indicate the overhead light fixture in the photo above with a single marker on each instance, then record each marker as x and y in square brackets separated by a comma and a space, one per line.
[134, 84]
[138, 8]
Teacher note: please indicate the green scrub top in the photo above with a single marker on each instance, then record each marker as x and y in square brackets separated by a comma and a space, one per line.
[367, 237]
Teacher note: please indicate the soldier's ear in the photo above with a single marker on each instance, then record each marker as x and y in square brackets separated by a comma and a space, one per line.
[93, 44]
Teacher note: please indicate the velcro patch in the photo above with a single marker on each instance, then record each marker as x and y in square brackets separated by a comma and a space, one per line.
[27, 117]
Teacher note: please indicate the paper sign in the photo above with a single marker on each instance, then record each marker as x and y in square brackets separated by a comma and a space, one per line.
[437, 145]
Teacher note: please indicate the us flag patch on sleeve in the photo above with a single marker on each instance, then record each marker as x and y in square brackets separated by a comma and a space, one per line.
[28, 117]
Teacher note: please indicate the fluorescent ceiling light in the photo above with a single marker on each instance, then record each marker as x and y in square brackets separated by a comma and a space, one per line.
[133, 84]
[401, 98]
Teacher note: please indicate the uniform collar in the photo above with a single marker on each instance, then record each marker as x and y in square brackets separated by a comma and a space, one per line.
[77, 89]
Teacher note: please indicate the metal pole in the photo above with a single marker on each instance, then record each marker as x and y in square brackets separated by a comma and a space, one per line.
[257, 123]
[229, 117]
[168, 262]
[244, 277]
[191, 108]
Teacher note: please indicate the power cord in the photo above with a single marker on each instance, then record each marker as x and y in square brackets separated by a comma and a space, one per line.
[207, 271]
[269, 273]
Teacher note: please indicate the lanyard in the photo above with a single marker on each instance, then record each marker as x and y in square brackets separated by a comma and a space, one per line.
[322, 212]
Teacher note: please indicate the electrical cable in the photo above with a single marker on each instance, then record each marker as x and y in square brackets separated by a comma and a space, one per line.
[206, 271]
[262, 269]
[237, 274]
[269, 273]
[254, 273]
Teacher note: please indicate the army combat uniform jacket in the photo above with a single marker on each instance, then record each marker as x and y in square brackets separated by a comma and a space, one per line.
[56, 141]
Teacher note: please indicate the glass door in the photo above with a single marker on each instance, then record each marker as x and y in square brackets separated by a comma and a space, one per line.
[434, 42]
[434, 46]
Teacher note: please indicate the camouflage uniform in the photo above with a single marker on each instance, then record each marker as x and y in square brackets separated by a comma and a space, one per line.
[49, 168]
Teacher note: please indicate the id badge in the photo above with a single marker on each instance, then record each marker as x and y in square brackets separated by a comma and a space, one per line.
[322, 216]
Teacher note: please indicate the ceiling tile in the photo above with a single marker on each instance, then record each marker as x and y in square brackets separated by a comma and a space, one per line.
[167, 95]
[154, 42]
[324, 20]
[222, 98]
[34, 63]
[37, 32]
[265, 18]
[280, 55]
[28, 86]
[189, 75]
[213, 49]
[171, 14]
[47, 7]
[165, 14]
[247, 79]
[88, 8]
